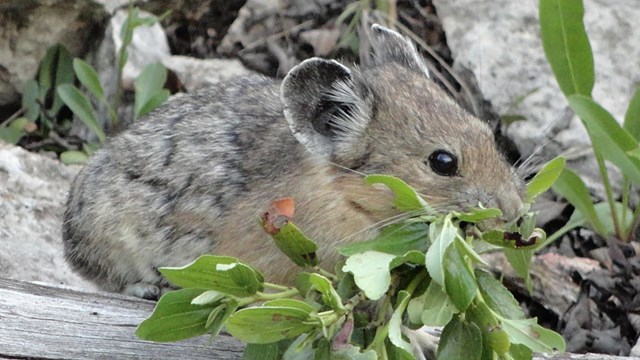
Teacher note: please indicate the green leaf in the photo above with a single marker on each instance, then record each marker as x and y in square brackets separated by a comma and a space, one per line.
[602, 211]
[544, 178]
[572, 188]
[348, 11]
[566, 45]
[296, 245]
[302, 349]
[460, 340]
[10, 135]
[270, 351]
[527, 332]
[395, 353]
[607, 136]
[46, 71]
[460, 283]
[221, 273]
[89, 78]
[520, 352]
[29, 100]
[438, 309]
[396, 239]
[497, 297]
[520, 260]
[329, 294]
[63, 75]
[74, 157]
[261, 325]
[444, 234]
[81, 107]
[478, 214]
[370, 271]
[395, 323]
[468, 250]
[497, 339]
[414, 257]
[218, 317]
[406, 197]
[155, 101]
[353, 353]
[290, 303]
[90, 148]
[208, 297]
[632, 116]
[149, 89]
[175, 318]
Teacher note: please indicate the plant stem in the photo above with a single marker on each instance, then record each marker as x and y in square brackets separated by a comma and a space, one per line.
[276, 286]
[331, 276]
[636, 221]
[563, 230]
[609, 191]
[416, 281]
[626, 190]
[260, 296]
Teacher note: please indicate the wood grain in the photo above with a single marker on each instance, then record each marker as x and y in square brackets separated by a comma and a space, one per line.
[44, 322]
[47, 322]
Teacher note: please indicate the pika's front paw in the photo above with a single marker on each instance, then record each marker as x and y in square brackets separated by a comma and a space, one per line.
[143, 290]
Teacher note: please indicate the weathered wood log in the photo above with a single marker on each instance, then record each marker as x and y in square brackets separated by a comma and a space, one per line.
[44, 322]
[47, 322]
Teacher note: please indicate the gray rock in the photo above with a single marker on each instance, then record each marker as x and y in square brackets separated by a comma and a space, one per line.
[29, 28]
[499, 42]
[197, 73]
[32, 193]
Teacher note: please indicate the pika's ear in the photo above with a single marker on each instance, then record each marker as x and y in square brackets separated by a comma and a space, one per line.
[327, 111]
[391, 47]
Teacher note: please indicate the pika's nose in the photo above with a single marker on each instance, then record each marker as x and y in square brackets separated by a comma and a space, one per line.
[511, 204]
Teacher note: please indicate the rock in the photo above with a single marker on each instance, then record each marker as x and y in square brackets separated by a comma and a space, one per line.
[32, 193]
[29, 28]
[265, 33]
[197, 73]
[499, 42]
[148, 45]
[256, 19]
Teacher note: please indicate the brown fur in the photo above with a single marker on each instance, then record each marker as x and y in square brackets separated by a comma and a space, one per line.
[195, 175]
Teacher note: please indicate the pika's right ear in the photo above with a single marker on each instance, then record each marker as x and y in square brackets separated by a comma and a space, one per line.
[326, 110]
[389, 46]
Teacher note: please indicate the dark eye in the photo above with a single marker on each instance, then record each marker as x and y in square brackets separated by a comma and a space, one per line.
[443, 163]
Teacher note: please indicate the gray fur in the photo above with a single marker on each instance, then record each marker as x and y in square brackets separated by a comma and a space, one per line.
[193, 176]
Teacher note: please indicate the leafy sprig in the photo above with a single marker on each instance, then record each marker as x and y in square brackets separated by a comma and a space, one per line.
[425, 271]
[568, 51]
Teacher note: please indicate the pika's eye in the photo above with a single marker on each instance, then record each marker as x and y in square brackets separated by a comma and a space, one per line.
[443, 163]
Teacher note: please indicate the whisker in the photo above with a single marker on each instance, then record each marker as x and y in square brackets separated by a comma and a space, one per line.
[386, 222]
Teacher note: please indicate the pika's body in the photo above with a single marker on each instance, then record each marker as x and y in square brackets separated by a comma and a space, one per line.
[193, 177]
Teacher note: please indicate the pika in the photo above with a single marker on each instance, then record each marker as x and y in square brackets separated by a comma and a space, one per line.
[194, 175]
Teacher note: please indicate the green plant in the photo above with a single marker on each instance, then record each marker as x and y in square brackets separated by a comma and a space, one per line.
[149, 91]
[41, 105]
[568, 51]
[424, 271]
[358, 12]
[44, 98]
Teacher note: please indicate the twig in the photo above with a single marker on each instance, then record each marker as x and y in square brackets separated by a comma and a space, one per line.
[12, 117]
[277, 35]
